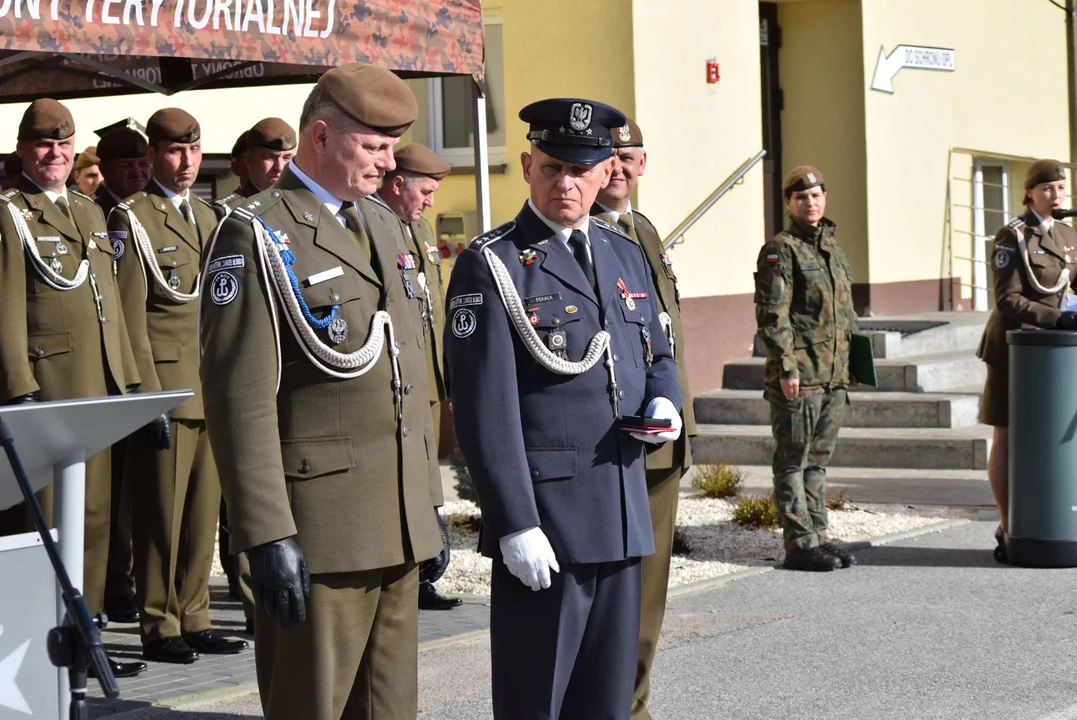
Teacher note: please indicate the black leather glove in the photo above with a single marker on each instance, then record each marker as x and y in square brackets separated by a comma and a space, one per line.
[1067, 321]
[160, 432]
[431, 570]
[280, 580]
[24, 399]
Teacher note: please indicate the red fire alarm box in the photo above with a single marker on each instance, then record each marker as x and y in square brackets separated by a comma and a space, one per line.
[712, 72]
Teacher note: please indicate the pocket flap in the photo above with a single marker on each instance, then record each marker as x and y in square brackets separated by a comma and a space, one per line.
[305, 459]
[807, 338]
[550, 463]
[633, 316]
[166, 350]
[42, 346]
[552, 319]
[335, 291]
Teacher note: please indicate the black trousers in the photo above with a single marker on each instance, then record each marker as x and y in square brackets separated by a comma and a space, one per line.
[567, 652]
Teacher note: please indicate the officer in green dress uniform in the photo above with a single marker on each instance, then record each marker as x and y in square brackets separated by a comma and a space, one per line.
[408, 191]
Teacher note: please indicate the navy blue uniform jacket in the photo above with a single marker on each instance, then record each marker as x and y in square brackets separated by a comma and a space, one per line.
[542, 448]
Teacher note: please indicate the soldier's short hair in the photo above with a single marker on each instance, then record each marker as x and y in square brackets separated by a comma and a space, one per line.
[318, 106]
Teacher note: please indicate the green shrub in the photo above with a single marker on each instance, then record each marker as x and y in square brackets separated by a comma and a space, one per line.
[756, 511]
[835, 499]
[718, 481]
[463, 522]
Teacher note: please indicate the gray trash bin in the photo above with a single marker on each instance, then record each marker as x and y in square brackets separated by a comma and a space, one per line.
[1043, 448]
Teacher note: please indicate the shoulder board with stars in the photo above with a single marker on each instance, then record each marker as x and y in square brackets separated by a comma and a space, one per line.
[200, 199]
[642, 217]
[496, 234]
[223, 202]
[81, 195]
[378, 201]
[8, 195]
[612, 228]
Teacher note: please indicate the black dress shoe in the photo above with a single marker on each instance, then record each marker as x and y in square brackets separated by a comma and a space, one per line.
[211, 642]
[122, 610]
[169, 650]
[429, 599]
[814, 560]
[845, 552]
[121, 670]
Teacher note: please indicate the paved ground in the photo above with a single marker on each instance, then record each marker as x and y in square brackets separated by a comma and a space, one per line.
[927, 628]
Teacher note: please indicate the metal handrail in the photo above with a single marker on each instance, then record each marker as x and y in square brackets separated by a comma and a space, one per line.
[714, 197]
[1004, 156]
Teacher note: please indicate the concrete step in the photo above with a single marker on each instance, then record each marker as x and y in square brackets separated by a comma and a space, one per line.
[924, 373]
[866, 410]
[917, 448]
[902, 336]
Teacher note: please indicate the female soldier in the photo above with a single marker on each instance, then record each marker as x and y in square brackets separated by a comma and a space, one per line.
[805, 316]
[1034, 272]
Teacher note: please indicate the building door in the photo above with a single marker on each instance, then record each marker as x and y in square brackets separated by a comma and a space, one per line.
[990, 212]
[769, 44]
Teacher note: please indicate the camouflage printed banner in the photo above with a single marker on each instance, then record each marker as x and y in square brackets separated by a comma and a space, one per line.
[228, 42]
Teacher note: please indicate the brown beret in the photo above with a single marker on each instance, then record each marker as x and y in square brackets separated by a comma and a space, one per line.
[173, 125]
[121, 143]
[802, 178]
[372, 96]
[239, 147]
[46, 119]
[421, 160]
[12, 164]
[628, 135]
[87, 158]
[1044, 171]
[271, 134]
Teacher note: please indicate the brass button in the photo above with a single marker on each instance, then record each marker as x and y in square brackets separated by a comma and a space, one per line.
[304, 469]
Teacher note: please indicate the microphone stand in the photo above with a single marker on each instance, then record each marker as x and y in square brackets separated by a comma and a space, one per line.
[76, 644]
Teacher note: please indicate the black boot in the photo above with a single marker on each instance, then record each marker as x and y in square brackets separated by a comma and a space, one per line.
[813, 560]
[845, 552]
[429, 599]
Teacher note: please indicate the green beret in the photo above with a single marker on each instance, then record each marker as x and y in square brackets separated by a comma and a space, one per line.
[1044, 171]
[802, 178]
[87, 158]
[628, 135]
[372, 96]
[121, 143]
[420, 160]
[46, 119]
[173, 125]
[272, 134]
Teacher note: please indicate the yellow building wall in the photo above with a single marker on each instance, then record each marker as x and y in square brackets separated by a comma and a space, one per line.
[1007, 95]
[696, 134]
[821, 75]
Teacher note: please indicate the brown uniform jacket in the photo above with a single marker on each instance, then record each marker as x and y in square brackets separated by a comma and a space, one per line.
[53, 341]
[228, 203]
[105, 200]
[164, 333]
[421, 244]
[322, 458]
[669, 301]
[1018, 303]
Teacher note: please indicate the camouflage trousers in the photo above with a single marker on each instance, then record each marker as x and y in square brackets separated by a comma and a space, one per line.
[805, 433]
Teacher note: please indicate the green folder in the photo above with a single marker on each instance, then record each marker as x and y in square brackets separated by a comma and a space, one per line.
[862, 360]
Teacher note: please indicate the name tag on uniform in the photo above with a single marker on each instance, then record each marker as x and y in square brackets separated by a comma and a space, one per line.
[50, 238]
[324, 275]
[168, 249]
[540, 299]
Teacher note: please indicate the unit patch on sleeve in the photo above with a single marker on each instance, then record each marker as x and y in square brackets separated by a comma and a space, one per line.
[228, 262]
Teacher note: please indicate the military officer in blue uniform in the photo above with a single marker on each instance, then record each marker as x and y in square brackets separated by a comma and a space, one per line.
[554, 348]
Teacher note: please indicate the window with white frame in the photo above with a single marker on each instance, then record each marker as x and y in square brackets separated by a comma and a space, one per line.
[450, 108]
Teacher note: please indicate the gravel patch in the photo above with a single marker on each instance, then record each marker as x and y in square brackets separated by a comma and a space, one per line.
[713, 545]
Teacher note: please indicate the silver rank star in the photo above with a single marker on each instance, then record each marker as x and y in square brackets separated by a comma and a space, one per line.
[308, 216]
[254, 205]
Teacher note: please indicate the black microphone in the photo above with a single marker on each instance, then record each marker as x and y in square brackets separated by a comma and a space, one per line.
[1063, 214]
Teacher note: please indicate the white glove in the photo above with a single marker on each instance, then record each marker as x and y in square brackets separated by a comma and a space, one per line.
[529, 557]
[663, 409]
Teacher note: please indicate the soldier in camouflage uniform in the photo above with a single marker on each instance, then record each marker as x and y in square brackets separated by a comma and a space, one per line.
[804, 310]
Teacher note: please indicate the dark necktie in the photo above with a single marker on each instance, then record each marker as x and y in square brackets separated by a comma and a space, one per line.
[627, 224]
[577, 242]
[355, 228]
[188, 215]
[62, 206]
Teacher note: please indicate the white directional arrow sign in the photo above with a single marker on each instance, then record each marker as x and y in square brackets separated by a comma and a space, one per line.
[909, 56]
[10, 695]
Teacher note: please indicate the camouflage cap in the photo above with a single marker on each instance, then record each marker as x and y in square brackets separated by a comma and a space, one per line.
[802, 178]
[121, 143]
[1044, 171]
[421, 160]
[173, 125]
[271, 134]
[628, 135]
[372, 96]
[12, 164]
[87, 158]
[46, 119]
